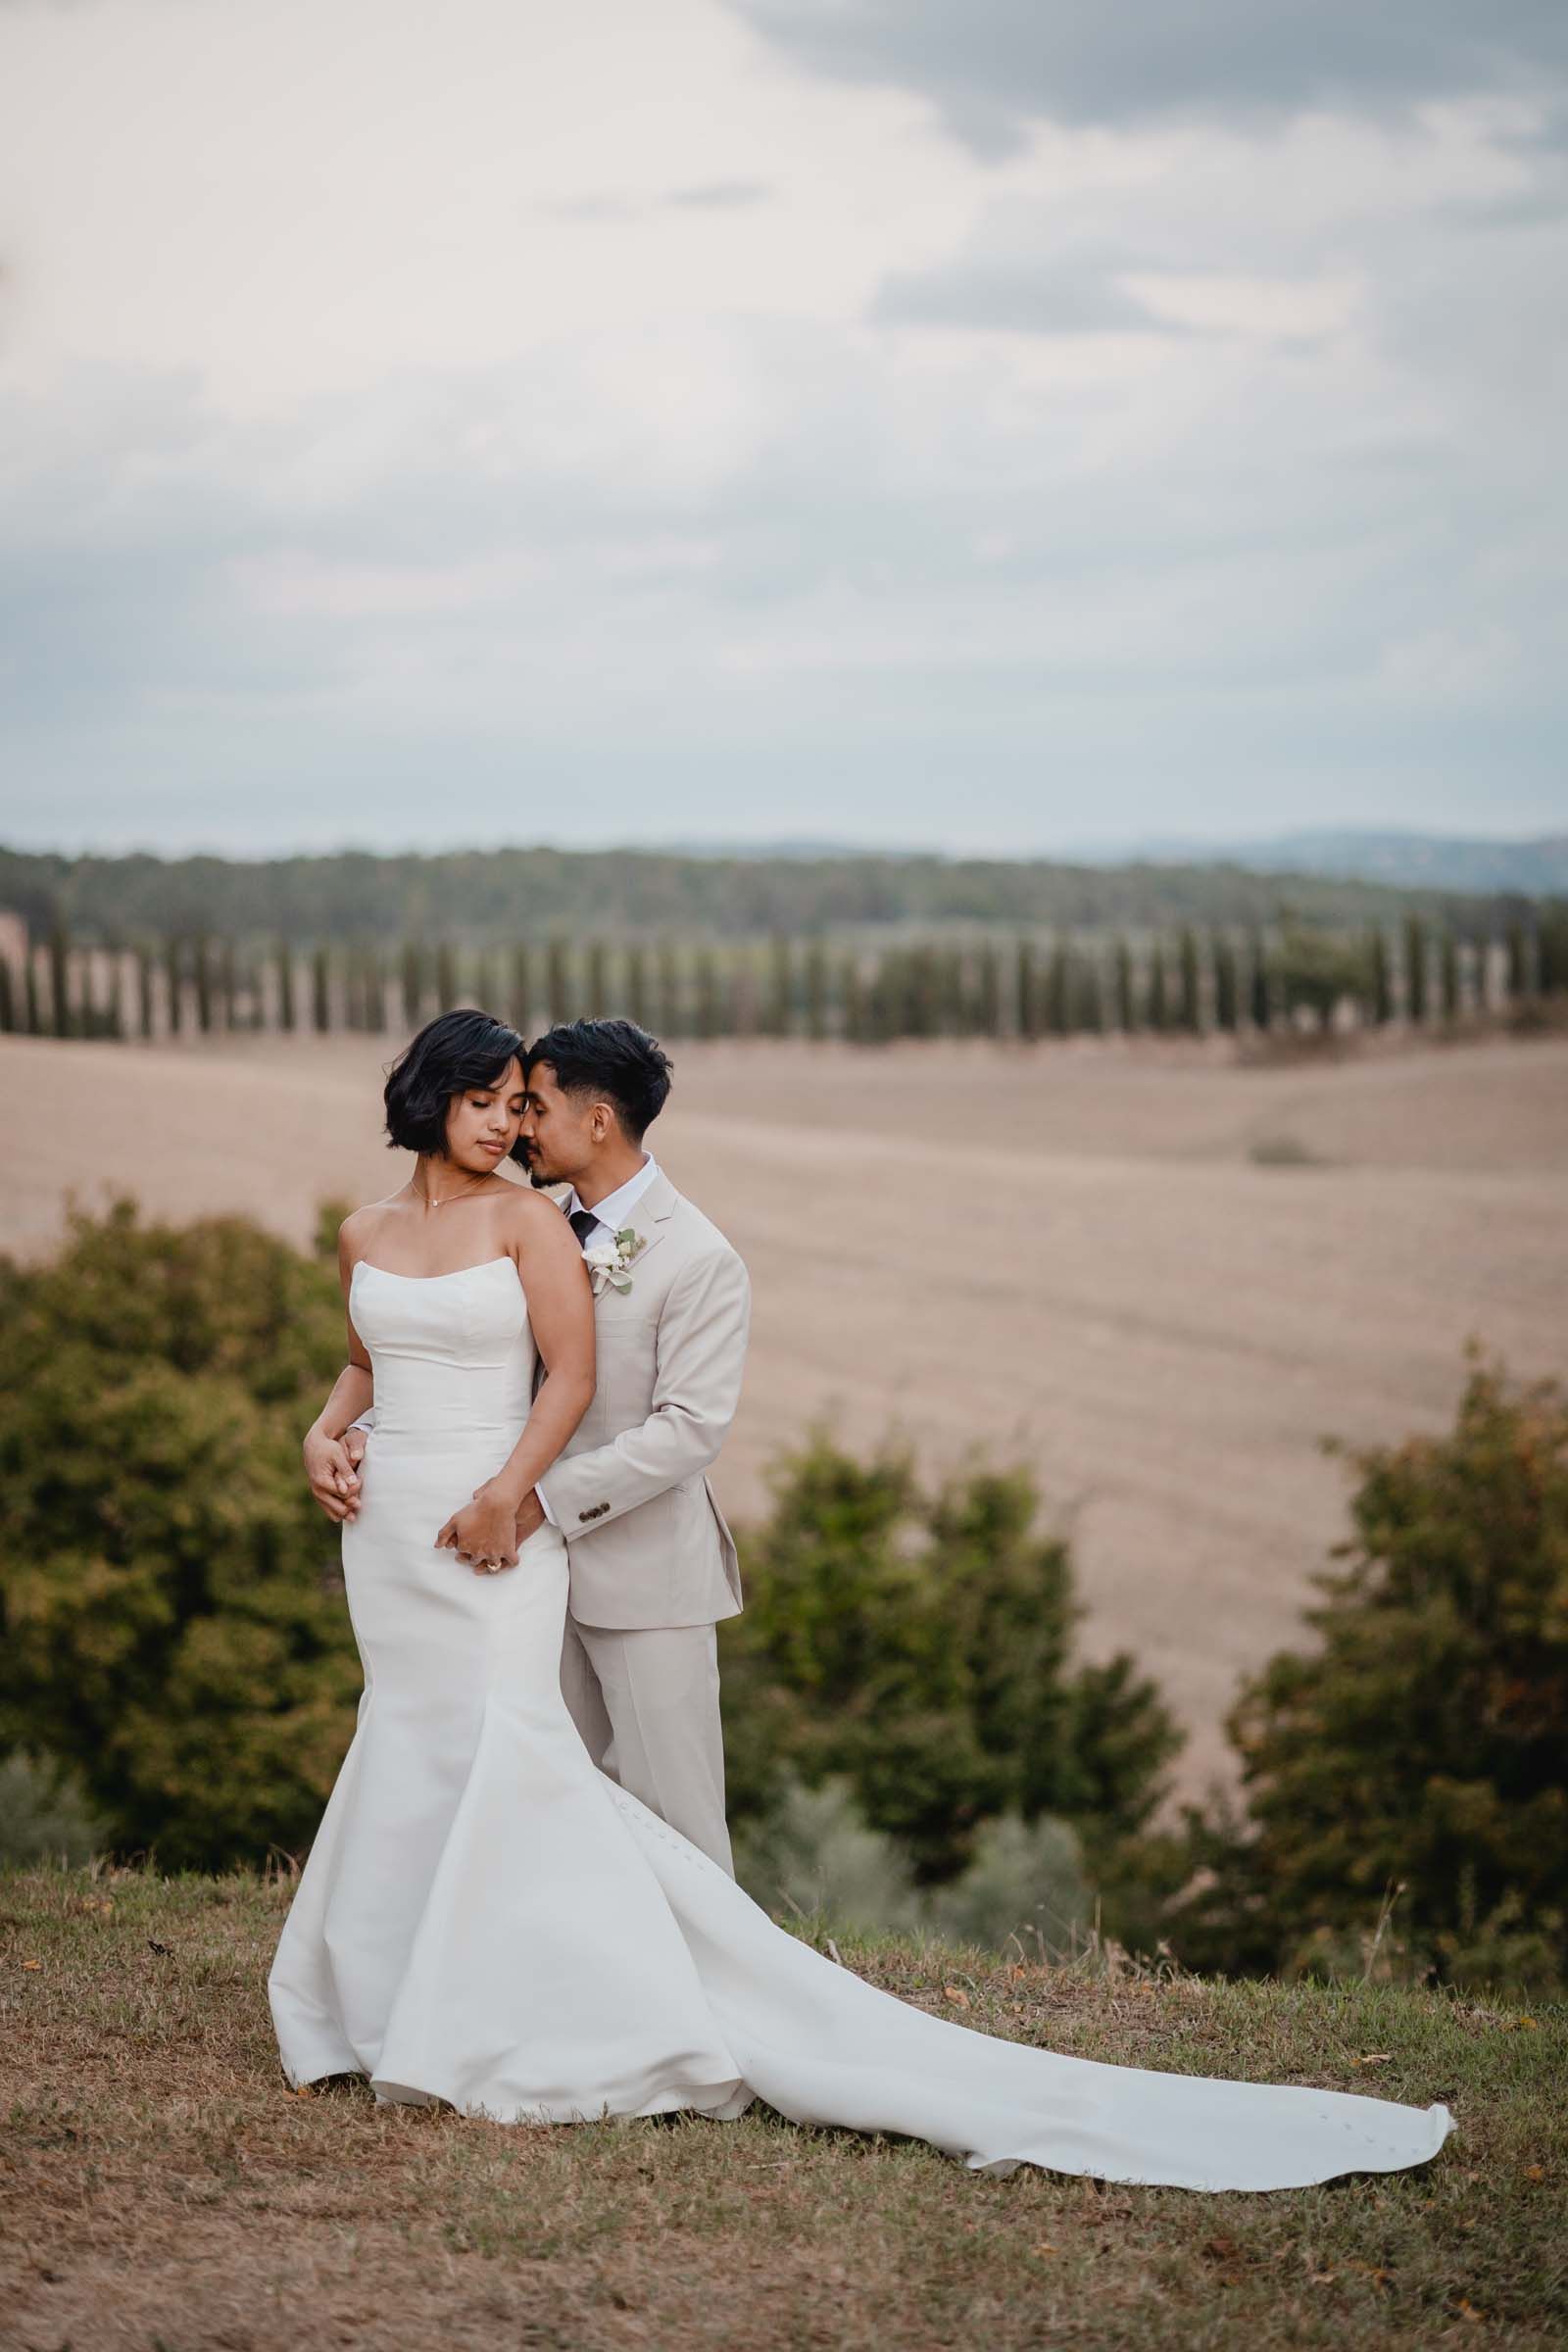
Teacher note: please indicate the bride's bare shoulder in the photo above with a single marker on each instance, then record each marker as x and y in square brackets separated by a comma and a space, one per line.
[355, 1232]
[530, 1216]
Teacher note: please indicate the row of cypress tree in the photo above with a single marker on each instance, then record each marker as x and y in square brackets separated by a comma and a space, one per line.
[1191, 981]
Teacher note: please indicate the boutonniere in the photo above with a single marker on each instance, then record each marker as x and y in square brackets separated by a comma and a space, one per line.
[609, 1262]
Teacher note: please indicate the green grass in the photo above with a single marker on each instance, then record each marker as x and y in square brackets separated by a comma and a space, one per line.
[160, 2186]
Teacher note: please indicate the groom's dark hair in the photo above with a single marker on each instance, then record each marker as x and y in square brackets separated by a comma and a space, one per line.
[614, 1059]
[456, 1053]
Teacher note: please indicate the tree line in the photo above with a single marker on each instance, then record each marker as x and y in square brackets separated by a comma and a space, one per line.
[489, 897]
[1192, 981]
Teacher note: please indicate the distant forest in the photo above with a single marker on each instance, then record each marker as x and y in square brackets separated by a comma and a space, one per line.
[483, 898]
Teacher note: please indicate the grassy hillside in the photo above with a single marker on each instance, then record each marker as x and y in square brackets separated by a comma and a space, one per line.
[503, 893]
[164, 2188]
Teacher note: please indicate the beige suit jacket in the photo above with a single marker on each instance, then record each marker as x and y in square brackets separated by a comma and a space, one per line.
[647, 1541]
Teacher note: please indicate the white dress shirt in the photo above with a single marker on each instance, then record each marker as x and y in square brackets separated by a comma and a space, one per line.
[614, 1208]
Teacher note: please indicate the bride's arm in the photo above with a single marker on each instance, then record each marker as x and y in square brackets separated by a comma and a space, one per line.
[561, 1311]
[328, 1464]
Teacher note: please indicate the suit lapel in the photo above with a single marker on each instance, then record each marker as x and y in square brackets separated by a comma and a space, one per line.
[650, 1216]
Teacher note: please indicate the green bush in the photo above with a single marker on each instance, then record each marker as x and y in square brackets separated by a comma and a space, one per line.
[170, 1624]
[814, 1855]
[917, 1645]
[1418, 1759]
[44, 1814]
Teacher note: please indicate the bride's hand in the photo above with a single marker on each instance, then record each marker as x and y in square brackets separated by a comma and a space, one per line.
[484, 1533]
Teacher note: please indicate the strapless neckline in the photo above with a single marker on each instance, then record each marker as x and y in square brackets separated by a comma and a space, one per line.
[367, 1265]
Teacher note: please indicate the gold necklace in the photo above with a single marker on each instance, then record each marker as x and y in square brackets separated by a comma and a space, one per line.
[447, 1199]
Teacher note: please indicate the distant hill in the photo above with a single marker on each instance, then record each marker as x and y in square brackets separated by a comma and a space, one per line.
[507, 894]
[1407, 860]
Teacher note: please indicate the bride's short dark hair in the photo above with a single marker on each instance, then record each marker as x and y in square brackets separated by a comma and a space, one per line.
[453, 1054]
[613, 1058]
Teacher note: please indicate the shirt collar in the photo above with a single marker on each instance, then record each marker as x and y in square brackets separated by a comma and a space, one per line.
[613, 1210]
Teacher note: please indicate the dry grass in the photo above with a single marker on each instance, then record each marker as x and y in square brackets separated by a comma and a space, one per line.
[164, 2189]
[1095, 1257]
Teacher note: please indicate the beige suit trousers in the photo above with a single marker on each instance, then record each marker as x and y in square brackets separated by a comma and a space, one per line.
[645, 1702]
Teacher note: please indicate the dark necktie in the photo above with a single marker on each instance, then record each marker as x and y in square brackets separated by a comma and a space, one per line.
[582, 1222]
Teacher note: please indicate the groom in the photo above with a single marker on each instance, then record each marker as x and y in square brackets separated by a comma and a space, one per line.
[652, 1565]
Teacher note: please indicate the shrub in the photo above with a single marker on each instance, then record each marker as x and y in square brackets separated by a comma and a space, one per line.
[1423, 1745]
[917, 1645]
[171, 1625]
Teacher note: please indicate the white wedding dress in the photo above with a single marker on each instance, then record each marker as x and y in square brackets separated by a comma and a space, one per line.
[486, 1919]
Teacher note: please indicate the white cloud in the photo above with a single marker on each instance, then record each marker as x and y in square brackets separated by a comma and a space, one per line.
[596, 399]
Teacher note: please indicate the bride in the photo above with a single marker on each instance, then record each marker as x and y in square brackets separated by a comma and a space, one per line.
[488, 1920]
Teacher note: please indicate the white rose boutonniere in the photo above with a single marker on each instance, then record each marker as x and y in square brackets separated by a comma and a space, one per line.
[609, 1262]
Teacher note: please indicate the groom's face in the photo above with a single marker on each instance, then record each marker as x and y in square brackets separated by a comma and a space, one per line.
[560, 1133]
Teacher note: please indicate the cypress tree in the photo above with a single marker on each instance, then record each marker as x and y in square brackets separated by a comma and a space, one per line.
[174, 977]
[144, 988]
[1059, 990]
[413, 983]
[321, 991]
[1025, 989]
[780, 1010]
[1449, 972]
[1124, 994]
[988, 992]
[229, 984]
[1551, 949]
[446, 975]
[60, 978]
[637, 1007]
[374, 991]
[708, 1013]
[1189, 995]
[1091, 994]
[599, 1003]
[204, 983]
[114, 1007]
[557, 982]
[287, 1001]
[519, 1004]
[852, 991]
[1259, 1004]
[30, 990]
[1158, 1002]
[1415, 970]
[1382, 979]
[8, 1003]
[1227, 982]
[738, 999]
[1518, 980]
[486, 986]
[817, 990]
[671, 1010]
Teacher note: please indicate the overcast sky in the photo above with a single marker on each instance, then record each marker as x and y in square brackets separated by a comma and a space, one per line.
[983, 423]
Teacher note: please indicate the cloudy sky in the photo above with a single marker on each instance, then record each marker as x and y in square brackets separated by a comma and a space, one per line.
[984, 424]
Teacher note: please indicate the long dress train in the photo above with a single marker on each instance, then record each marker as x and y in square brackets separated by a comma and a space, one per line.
[486, 1919]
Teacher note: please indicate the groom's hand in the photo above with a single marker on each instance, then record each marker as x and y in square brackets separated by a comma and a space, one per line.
[531, 1516]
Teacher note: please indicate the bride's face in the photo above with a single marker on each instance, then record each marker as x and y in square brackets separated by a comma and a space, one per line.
[482, 1122]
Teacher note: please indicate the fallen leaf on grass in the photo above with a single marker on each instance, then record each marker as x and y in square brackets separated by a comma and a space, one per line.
[32, 1967]
[957, 1995]
[1042, 2249]
[1535, 2172]
[1374, 2058]
[1468, 2311]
